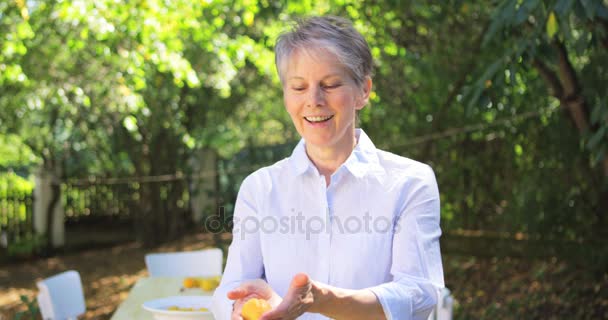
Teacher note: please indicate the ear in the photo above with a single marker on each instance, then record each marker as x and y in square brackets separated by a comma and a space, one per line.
[366, 90]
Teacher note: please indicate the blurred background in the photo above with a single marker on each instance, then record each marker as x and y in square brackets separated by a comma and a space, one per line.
[133, 124]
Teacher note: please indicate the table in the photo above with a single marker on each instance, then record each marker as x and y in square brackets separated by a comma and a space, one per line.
[148, 289]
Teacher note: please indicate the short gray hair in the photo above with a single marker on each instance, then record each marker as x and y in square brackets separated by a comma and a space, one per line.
[331, 33]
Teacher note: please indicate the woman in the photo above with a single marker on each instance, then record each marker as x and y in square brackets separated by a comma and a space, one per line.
[339, 229]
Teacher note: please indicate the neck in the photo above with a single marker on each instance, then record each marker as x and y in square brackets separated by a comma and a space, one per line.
[329, 159]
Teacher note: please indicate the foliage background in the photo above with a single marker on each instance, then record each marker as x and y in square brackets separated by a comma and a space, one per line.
[480, 90]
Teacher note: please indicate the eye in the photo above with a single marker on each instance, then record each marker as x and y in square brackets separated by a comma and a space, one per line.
[332, 85]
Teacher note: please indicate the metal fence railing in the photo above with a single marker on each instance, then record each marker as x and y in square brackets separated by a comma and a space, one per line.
[99, 201]
[112, 200]
[16, 216]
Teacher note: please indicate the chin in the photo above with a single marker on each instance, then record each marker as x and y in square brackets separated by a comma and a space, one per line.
[319, 142]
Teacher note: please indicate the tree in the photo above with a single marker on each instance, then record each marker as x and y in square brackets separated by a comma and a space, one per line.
[124, 97]
[563, 45]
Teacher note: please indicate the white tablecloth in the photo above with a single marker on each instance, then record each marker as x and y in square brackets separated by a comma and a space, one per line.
[149, 289]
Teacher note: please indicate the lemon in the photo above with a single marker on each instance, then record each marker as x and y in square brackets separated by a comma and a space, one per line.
[190, 283]
[254, 308]
[209, 283]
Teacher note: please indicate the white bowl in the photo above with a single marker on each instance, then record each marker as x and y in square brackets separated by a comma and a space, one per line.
[159, 308]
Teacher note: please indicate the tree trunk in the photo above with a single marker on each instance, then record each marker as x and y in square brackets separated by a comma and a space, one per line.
[160, 218]
[50, 214]
[564, 86]
[147, 219]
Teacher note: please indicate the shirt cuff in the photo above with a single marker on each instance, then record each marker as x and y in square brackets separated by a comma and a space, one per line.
[394, 303]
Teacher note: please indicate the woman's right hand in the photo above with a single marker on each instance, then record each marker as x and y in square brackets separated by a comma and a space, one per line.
[251, 289]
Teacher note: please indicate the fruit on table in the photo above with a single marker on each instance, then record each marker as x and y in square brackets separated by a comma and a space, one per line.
[254, 308]
[204, 283]
[190, 283]
[176, 308]
[209, 284]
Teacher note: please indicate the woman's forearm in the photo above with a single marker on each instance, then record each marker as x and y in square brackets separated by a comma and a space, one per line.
[338, 303]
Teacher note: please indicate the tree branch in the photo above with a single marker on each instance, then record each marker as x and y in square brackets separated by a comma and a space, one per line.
[567, 73]
[573, 97]
[550, 77]
[34, 149]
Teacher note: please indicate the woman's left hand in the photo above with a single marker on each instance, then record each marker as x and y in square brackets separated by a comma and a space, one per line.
[297, 301]
[251, 289]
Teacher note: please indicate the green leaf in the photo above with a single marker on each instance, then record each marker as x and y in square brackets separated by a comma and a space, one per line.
[24, 31]
[602, 12]
[563, 6]
[474, 93]
[599, 156]
[502, 17]
[130, 123]
[248, 18]
[524, 11]
[189, 141]
[552, 25]
[590, 6]
[596, 138]
[32, 307]
[598, 113]
[518, 150]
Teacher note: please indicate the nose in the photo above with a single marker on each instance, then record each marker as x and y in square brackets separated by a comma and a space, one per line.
[316, 97]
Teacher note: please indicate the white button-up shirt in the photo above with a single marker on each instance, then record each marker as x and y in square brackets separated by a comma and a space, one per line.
[375, 226]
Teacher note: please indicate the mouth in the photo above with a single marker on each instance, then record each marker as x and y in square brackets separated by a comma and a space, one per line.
[318, 119]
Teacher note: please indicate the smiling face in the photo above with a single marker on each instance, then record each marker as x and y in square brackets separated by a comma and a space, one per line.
[322, 98]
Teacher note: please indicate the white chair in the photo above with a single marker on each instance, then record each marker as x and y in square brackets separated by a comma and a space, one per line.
[443, 309]
[201, 263]
[61, 296]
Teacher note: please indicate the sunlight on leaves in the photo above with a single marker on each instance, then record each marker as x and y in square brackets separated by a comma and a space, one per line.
[552, 25]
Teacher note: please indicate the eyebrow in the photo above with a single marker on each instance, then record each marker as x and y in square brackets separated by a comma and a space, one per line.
[327, 76]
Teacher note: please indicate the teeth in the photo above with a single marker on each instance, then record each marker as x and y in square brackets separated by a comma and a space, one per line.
[317, 119]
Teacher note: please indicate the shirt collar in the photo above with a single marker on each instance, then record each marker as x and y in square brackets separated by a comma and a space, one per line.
[362, 160]
[299, 159]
